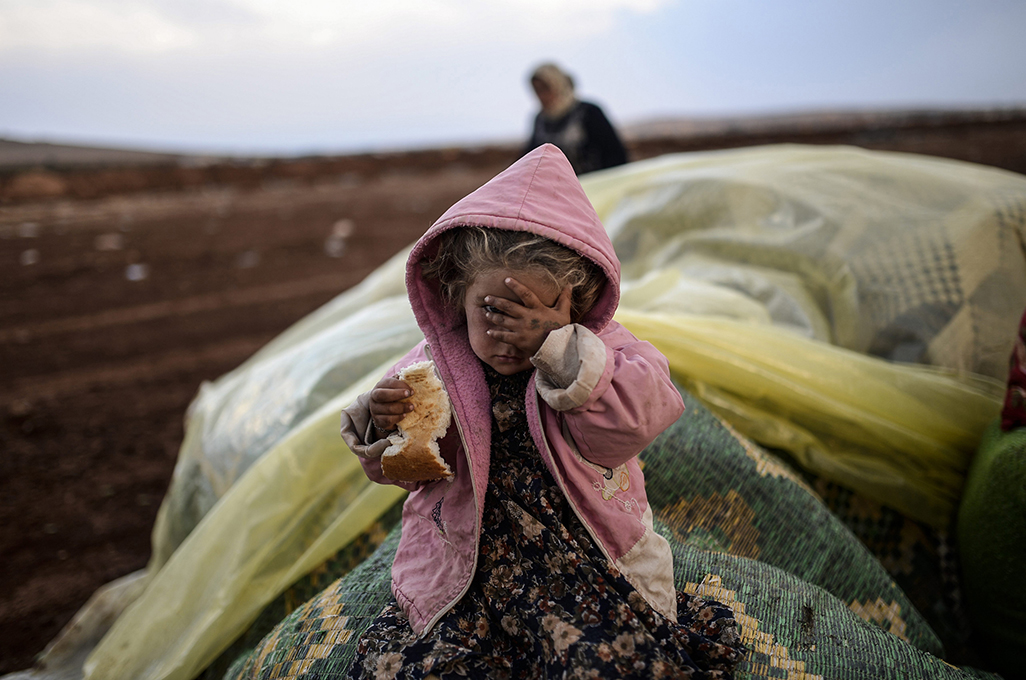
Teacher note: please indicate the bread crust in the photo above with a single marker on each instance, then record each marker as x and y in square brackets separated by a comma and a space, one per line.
[413, 454]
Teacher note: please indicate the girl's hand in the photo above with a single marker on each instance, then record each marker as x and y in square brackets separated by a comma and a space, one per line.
[525, 326]
[386, 405]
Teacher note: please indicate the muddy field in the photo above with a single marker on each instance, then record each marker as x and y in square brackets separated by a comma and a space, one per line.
[114, 311]
[125, 288]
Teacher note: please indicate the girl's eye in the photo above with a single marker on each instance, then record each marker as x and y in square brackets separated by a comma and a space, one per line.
[492, 310]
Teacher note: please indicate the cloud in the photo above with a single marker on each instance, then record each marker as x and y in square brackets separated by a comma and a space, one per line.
[176, 26]
[54, 26]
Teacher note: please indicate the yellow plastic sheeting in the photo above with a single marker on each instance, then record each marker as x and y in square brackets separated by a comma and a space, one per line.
[909, 258]
[901, 434]
[238, 418]
[291, 510]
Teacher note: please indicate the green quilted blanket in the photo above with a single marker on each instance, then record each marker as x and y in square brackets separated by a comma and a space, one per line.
[812, 600]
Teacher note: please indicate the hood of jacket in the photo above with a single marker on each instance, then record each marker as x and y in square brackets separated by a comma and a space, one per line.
[538, 194]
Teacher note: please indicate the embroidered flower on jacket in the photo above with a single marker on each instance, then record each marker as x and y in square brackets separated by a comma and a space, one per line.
[589, 617]
[503, 415]
[388, 666]
[623, 645]
[695, 604]
[554, 563]
[502, 577]
[563, 634]
[532, 527]
[637, 602]
[510, 625]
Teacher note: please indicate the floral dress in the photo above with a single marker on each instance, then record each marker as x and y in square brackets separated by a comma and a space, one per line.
[545, 601]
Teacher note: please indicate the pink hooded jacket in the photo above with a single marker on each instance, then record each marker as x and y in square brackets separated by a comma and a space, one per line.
[600, 397]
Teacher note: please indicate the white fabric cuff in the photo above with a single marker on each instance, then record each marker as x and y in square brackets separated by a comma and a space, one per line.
[571, 362]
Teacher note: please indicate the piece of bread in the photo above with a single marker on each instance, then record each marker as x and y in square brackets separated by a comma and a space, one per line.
[413, 455]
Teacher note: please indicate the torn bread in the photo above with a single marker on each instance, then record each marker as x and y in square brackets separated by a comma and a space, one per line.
[413, 455]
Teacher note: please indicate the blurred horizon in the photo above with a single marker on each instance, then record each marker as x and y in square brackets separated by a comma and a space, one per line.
[315, 77]
[13, 147]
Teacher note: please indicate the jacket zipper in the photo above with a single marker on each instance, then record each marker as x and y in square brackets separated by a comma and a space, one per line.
[477, 519]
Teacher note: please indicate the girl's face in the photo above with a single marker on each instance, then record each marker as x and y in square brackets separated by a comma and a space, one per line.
[503, 357]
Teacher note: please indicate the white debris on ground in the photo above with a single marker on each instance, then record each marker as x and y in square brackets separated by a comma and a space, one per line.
[137, 272]
[335, 244]
[247, 259]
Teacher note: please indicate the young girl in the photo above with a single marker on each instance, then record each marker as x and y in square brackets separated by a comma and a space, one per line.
[538, 557]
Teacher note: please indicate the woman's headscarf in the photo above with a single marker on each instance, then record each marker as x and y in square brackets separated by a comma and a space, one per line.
[561, 84]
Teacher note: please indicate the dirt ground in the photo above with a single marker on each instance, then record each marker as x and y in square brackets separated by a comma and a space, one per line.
[114, 311]
[124, 289]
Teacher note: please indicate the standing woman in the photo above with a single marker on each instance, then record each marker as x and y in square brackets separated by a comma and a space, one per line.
[580, 129]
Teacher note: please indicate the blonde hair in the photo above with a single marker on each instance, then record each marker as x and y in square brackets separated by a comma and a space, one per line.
[465, 252]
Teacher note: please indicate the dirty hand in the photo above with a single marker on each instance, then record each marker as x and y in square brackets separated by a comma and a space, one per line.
[386, 405]
[525, 326]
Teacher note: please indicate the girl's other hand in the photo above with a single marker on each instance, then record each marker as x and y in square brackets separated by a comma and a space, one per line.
[386, 405]
[526, 325]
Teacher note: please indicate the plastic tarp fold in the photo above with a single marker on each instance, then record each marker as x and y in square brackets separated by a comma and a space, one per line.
[239, 418]
[768, 277]
[287, 514]
[909, 258]
[900, 434]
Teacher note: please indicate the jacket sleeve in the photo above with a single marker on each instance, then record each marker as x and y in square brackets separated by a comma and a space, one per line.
[613, 390]
[361, 436]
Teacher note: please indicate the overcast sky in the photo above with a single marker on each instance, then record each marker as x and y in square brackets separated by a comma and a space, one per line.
[300, 76]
